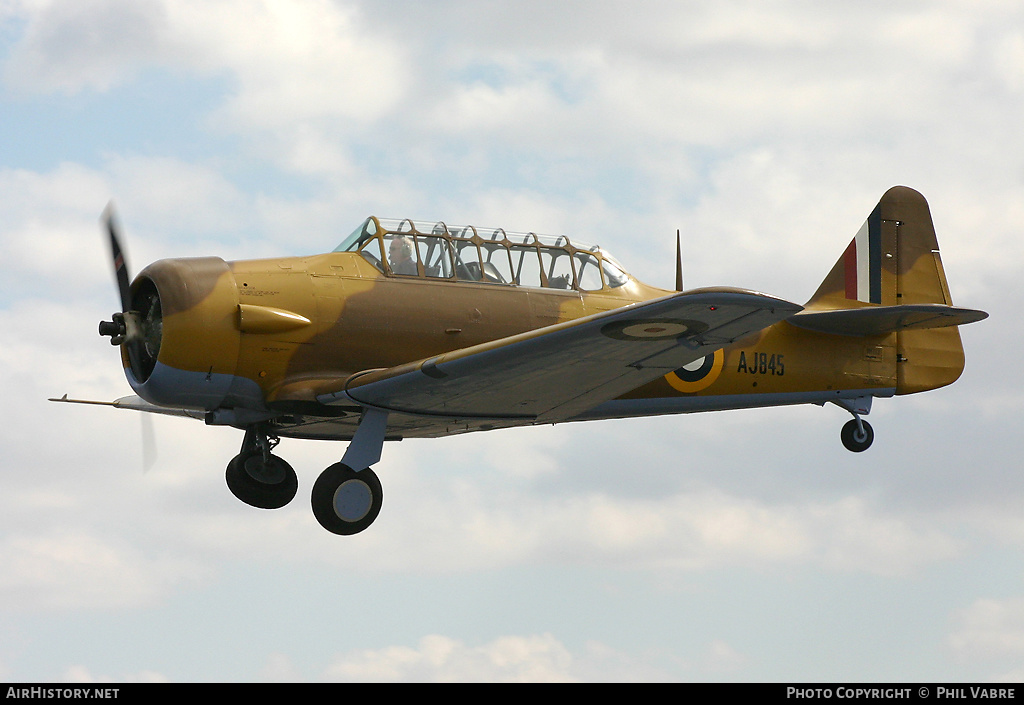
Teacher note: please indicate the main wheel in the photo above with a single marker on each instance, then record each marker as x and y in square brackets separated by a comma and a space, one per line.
[265, 484]
[854, 439]
[344, 501]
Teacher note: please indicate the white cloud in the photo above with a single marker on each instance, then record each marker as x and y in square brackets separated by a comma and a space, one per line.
[96, 44]
[81, 674]
[855, 539]
[279, 668]
[50, 226]
[195, 209]
[540, 658]
[295, 61]
[537, 658]
[722, 658]
[989, 630]
[1008, 60]
[67, 570]
[492, 515]
[290, 59]
[57, 246]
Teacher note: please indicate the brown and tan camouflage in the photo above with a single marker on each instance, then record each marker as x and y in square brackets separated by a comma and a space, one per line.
[482, 329]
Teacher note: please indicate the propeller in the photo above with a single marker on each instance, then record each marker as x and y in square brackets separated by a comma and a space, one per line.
[128, 326]
[124, 325]
[149, 450]
[139, 324]
[120, 264]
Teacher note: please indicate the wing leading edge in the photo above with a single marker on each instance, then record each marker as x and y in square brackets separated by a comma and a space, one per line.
[554, 373]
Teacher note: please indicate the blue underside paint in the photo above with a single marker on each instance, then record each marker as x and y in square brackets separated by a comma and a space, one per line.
[168, 386]
[626, 408]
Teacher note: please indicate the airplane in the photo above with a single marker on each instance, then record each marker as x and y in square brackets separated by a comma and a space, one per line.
[410, 330]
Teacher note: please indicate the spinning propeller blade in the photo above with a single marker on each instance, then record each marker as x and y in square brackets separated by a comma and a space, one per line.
[125, 327]
[149, 451]
[117, 253]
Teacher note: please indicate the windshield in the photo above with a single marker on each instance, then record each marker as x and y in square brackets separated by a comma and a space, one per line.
[360, 235]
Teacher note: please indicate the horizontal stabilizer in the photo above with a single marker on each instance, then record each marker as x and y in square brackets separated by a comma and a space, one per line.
[879, 320]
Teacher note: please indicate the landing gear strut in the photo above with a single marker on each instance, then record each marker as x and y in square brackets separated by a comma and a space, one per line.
[345, 501]
[258, 477]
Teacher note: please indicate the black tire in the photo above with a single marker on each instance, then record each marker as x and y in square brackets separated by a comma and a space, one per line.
[853, 439]
[264, 485]
[344, 501]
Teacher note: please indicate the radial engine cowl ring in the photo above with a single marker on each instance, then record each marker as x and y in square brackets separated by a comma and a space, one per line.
[184, 350]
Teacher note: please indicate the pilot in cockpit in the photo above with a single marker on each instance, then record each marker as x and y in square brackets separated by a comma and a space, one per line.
[400, 256]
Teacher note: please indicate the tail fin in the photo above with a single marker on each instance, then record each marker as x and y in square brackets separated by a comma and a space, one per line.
[890, 282]
[893, 259]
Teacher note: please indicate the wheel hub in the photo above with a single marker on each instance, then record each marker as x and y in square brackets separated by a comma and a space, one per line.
[353, 500]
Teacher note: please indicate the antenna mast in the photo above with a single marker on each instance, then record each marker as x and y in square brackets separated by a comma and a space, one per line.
[679, 264]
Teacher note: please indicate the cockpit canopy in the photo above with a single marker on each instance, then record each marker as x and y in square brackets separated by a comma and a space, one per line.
[490, 256]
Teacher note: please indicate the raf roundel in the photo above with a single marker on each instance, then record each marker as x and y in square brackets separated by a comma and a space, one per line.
[697, 375]
[647, 329]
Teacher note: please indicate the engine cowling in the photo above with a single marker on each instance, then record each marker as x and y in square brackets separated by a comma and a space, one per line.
[183, 342]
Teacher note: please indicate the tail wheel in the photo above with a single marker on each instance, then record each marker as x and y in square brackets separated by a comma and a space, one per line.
[344, 501]
[267, 483]
[854, 438]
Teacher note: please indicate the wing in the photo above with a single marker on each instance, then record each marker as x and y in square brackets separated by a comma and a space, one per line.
[554, 373]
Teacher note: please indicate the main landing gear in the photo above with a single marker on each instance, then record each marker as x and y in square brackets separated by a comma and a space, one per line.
[345, 501]
[258, 477]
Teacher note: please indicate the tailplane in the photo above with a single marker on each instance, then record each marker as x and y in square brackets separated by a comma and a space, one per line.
[889, 283]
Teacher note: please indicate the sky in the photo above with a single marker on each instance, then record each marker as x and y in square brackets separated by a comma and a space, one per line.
[728, 546]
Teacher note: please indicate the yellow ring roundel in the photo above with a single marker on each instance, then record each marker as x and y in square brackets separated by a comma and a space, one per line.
[699, 374]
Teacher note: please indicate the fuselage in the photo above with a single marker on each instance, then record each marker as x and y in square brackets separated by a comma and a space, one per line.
[251, 339]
